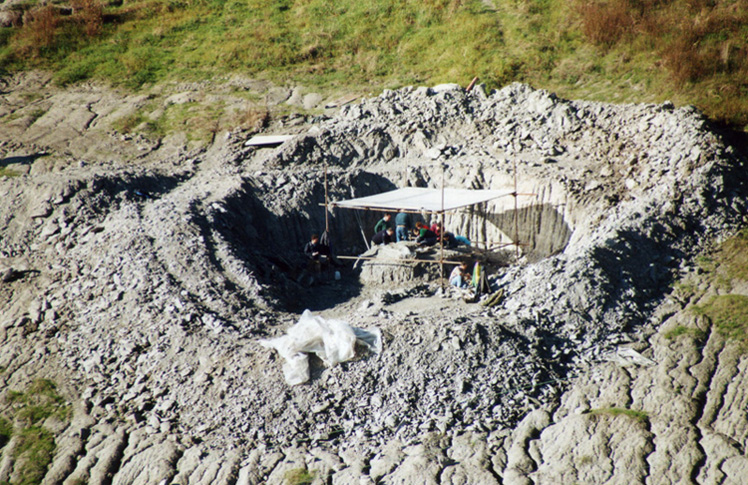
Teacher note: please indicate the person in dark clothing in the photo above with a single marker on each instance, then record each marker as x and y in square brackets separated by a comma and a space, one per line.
[383, 223]
[317, 253]
[448, 239]
[424, 235]
[383, 237]
[451, 241]
[402, 223]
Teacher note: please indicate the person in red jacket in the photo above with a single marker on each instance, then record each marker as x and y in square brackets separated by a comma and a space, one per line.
[424, 235]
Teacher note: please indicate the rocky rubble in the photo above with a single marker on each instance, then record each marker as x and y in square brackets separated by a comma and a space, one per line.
[145, 288]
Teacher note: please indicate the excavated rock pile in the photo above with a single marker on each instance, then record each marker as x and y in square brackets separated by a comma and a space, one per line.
[144, 289]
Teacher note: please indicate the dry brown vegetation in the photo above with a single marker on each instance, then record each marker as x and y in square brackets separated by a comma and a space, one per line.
[90, 14]
[691, 52]
[254, 118]
[695, 39]
[47, 28]
[39, 29]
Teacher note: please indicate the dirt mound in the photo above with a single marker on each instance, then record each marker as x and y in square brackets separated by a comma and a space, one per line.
[146, 288]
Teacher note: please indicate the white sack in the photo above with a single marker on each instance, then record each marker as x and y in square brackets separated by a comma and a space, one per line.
[333, 341]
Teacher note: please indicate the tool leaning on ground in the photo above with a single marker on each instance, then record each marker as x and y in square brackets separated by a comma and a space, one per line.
[494, 299]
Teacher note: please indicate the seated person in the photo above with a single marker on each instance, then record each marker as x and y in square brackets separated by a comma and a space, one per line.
[460, 277]
[385, 236]
[424, 235]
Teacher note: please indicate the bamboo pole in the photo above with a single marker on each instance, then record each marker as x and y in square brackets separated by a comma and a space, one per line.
[432, 261]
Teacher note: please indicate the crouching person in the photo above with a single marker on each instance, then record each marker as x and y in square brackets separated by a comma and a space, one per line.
[460, 276]
[424, 235]
[383, 237]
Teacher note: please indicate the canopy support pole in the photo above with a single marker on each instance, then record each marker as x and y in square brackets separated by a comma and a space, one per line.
[516, 215]
[440, 226]
[327, 211]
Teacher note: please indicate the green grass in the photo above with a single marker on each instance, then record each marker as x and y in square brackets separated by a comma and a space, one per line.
[681, 330]
[729, 315]
[36, 114]
[638, 416]
[6, 172]
[724, 268]
[35, 451]
[33, 115]
[589, 49]
[199, 120]
[586, 460]
[314, 42]
[299, 476]
[6, 431]
[36, 445]
[733, 256]
[38, 403]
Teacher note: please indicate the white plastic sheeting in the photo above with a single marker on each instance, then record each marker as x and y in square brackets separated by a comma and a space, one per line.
[420, 199]
[333, 341]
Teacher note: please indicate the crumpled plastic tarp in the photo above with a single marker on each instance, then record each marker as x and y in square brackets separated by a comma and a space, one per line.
[333, 341]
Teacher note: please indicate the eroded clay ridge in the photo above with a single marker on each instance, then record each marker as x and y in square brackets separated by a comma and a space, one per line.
[143, 289]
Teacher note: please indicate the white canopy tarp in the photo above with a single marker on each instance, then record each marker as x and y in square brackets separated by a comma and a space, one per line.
[419, 199]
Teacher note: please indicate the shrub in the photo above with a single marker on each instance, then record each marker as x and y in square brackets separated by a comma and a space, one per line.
[90, 14]
[39, 30]
[683, 61]
[5, 35]
[254, 118]
[606, 23]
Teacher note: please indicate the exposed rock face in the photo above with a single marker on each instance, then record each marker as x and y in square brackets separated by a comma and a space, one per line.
[145, 289]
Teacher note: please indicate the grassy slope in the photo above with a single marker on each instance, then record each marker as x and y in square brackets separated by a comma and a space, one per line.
[728, 269]
[692, 52]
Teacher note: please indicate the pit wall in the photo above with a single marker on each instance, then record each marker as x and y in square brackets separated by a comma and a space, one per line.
[277, 211]
[545, 220]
